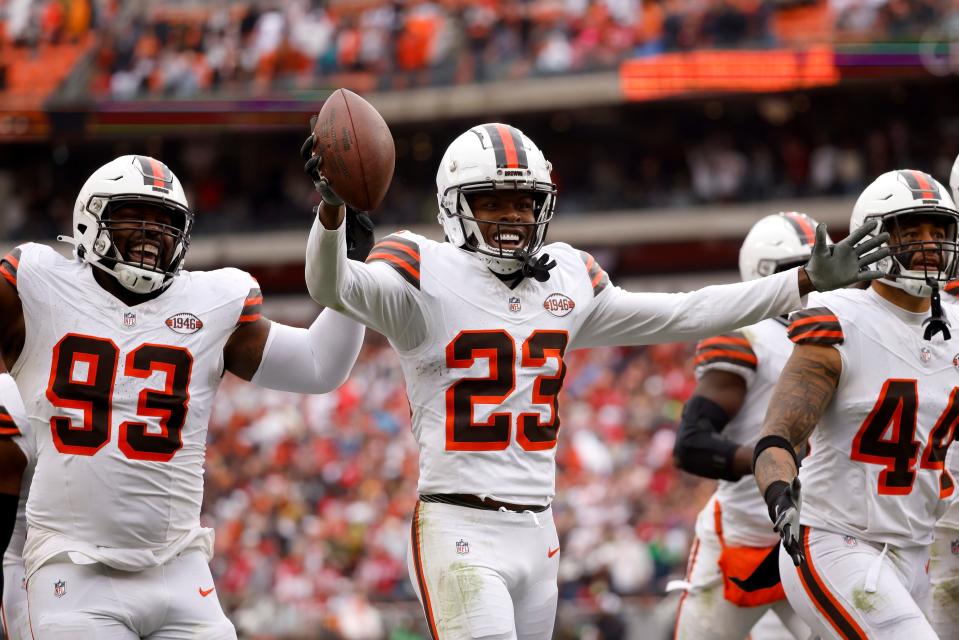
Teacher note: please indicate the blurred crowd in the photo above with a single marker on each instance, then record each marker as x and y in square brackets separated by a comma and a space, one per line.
[37, 23]
[634, 157]
[397, 44]
[312, 496]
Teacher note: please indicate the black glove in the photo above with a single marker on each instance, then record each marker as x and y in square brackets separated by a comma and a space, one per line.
[359, 234]
[839, 265]
[312, 169]
[783, 501]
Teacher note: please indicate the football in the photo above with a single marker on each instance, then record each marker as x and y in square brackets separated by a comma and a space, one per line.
[357, 149]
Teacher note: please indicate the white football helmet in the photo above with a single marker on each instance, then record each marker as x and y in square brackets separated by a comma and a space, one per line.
[954, 180]
[775, 243]
[128, 180]
[898, 194]
[492, 157]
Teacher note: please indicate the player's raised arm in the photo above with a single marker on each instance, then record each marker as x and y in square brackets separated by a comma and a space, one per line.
[380, 295]
[620, 317]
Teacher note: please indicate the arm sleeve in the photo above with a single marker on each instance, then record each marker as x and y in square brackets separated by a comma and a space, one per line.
[314, 360]
[373, 294]
[619, 317]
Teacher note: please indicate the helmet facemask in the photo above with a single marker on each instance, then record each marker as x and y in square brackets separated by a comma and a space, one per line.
[455, 204]
[137, 275]
[939, 258]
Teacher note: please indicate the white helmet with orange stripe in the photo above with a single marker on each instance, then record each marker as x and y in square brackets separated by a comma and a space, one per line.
[775, 243]
[493, 157]
[130, 180]
[914, 264]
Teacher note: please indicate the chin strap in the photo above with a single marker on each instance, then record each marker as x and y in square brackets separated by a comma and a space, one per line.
[936, 322]
[533, 266]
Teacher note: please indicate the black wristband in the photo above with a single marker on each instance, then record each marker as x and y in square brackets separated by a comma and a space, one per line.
[772, 494]
[778, 442]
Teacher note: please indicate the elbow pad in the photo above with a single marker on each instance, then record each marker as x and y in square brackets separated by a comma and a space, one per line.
[699, 447]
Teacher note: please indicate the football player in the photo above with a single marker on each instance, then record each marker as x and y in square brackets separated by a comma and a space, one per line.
[481, 324]
[944, 560]
[871, 383]
[733, 576]
[17, 449]
[118, 354]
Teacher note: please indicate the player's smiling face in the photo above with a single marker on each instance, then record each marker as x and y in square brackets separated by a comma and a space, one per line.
[516, 207]
[137, 232]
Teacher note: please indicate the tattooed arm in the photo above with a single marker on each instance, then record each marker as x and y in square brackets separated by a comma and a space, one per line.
[804, 390]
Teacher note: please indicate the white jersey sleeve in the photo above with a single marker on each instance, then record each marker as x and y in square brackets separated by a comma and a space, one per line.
[14, 424]
[381, 294]
[619, 317]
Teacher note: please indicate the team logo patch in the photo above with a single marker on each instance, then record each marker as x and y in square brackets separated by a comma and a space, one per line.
[59, 588]
[925, 354]
[850, 541]
[559, 305]
[514, 304]
[954, 546]
[129, 319]
[184, 323]
[462, 547]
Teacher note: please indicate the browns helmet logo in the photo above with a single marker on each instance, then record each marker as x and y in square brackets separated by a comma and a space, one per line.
[155, 174]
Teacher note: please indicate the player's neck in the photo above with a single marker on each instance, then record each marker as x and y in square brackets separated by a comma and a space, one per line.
[900, 298]
[121, 293]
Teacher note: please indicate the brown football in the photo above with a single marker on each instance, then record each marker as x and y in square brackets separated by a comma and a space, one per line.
[357, 149]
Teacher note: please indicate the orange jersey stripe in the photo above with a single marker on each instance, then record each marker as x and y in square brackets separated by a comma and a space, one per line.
[819, 334]
[599, 276]
[12, 259]
[813, 319]
[388, 257]
[421, 575]
[723, 353]
[400, 246]
[846, 625]
[250, 318]
[252, 301]
[12, 279]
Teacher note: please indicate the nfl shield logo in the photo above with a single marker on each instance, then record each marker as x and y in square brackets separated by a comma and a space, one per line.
[955, 547]
[462, 547]
[59, 588]
[129, 319]
[514, 305]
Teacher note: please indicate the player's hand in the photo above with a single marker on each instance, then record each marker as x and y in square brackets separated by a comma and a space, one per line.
[312, 169]
[359, 234]
[784, 501]
[840, 265]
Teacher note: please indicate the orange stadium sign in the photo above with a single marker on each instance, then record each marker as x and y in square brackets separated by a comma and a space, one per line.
[673, 74]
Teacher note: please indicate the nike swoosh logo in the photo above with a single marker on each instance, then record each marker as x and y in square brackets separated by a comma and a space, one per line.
[552, 552]
[206, 592]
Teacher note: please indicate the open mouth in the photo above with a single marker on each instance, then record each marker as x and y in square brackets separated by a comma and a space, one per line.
[508, 240]
[145, 254]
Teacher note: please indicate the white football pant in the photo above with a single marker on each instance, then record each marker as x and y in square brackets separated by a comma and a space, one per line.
[175, 601]
[849, 588]
[484, 574]
[16, 621]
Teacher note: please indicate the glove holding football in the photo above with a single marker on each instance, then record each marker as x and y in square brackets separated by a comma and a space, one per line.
[784, 501]
[840, 265]
[312, 169]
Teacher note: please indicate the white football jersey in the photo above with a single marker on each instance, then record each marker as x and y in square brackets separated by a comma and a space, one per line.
[876, 465]
[951, 517]
[119, 398]
[14, 424]
[757, 354]
[484, 362]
